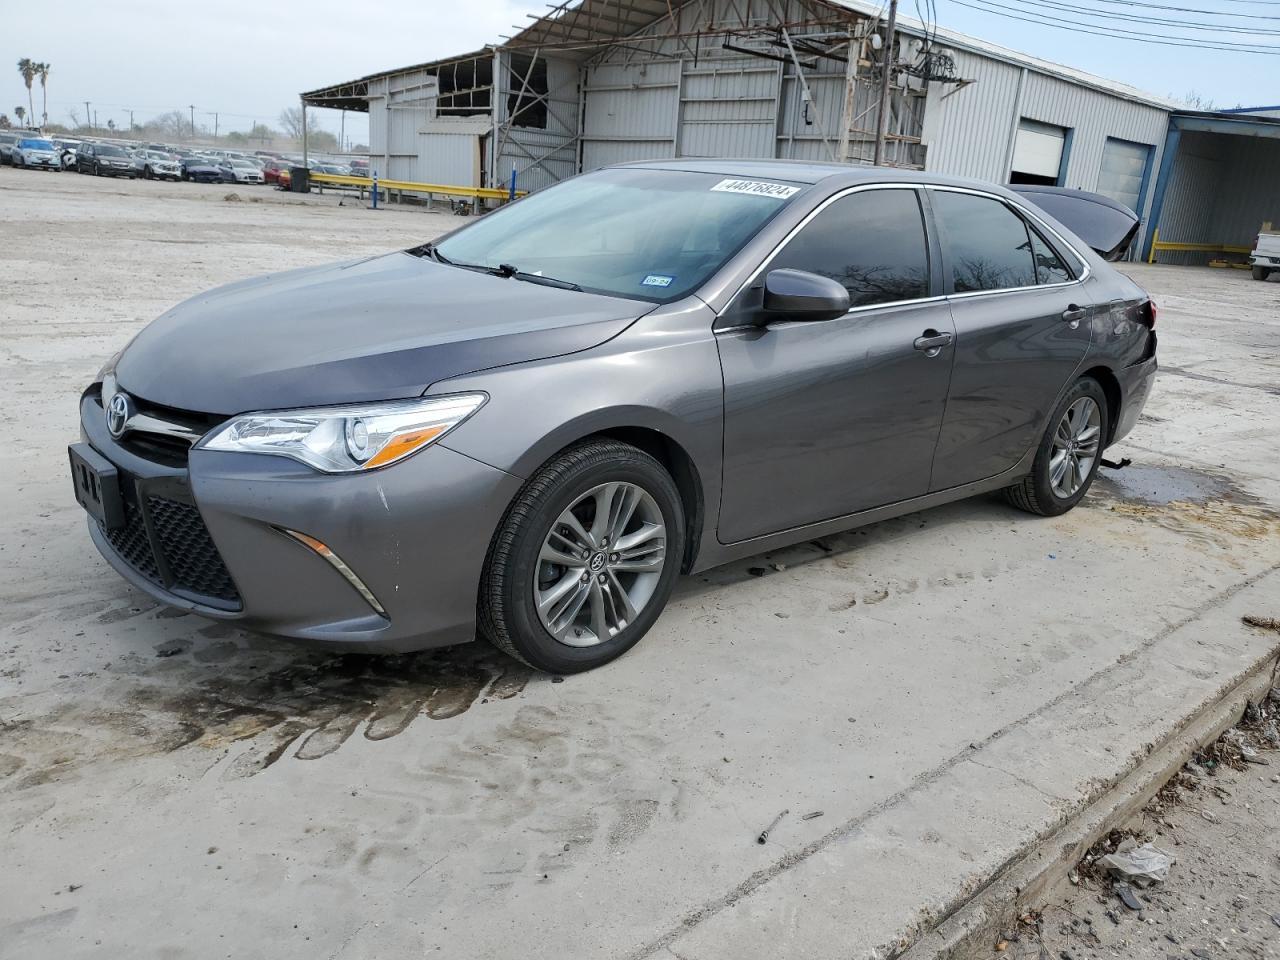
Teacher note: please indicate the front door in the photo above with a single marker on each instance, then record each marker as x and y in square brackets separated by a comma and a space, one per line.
[823, 419]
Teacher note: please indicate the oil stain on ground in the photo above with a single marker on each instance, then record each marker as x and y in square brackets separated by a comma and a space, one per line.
[315, 702]
[1207, 506]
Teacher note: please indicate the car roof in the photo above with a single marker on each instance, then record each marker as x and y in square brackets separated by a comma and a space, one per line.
[809, 171]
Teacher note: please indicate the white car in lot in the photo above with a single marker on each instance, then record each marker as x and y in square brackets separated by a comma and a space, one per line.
[159, 166]
[244, 171]
[1265, 259]
[36, 153]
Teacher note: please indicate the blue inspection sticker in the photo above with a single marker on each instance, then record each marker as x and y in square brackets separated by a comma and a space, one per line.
[657, 280]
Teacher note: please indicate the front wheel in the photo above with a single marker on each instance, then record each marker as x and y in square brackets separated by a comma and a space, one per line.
[584, 560]
[1069, 453]
[1260, 273]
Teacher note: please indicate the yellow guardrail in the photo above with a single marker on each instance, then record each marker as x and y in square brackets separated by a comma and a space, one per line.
[409, 186]
[1157, 245]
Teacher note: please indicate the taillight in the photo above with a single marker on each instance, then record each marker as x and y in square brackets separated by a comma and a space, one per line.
[1147, 314]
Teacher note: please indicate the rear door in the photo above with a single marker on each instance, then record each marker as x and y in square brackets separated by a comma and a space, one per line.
[1022, 327]
[823, 419]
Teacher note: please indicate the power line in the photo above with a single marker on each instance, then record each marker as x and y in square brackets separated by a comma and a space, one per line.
[1176, 9]
[1112, 32]
[1106, 14]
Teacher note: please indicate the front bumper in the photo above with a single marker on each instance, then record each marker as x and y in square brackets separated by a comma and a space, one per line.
[415, 533]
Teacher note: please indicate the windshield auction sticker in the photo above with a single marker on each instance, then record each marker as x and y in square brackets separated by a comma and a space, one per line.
[757, 188]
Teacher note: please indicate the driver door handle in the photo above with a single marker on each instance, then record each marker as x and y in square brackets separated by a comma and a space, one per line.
[1073, 315]
[932, 342]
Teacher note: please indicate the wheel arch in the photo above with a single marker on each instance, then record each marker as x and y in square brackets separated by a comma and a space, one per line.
[651, 431]
[1107, 379]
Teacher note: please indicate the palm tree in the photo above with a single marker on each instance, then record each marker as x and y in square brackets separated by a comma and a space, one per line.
[27, 67]
[19, 112]
[42, 70]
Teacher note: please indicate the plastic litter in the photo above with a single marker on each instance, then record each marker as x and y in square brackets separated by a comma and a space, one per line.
[1141, 865]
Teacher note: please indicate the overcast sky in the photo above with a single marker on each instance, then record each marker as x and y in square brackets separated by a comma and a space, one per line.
[249, 61]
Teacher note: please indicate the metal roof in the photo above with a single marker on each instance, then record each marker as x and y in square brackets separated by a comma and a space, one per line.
[353, 94]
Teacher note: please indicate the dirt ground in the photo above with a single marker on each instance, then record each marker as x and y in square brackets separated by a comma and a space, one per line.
[1219, 819]
[944, 687]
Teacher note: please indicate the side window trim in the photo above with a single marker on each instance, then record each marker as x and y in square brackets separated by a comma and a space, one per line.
[932, 251]
[1058, 243]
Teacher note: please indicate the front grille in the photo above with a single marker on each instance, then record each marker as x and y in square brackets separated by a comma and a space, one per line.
[177, 553]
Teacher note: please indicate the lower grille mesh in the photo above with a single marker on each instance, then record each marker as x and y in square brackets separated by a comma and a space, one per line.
[186, 549]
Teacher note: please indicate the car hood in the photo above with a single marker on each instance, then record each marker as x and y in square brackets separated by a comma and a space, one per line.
[384, 328]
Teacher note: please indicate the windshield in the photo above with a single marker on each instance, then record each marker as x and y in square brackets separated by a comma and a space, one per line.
[106, 150]
[35, 145]
[639, 233]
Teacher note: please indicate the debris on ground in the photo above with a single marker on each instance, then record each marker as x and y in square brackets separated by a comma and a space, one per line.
[1218, 901]
[1142, 865]
[232, 198]
[764, 834]
[1266, 623]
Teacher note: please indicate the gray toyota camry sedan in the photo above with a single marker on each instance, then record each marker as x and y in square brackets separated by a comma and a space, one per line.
[531, 427]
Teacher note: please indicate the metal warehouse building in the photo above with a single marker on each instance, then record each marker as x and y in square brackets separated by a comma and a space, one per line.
[596, 82]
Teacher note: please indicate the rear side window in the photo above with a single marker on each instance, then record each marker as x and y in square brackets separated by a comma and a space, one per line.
[987, 243]
[1049, 266]
[872, 242]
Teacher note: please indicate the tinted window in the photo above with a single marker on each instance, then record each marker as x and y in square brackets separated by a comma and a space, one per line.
[873, 242]
[987, 242]
[1049, 266]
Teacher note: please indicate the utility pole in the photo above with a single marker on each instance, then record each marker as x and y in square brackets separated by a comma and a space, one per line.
[342, 135]
[88, 117]
[131, 121]
[886, 80]
[192, 107]
[215, 126]
[95, 119]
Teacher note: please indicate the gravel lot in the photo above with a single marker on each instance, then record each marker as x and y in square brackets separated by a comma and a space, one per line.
[944, 687]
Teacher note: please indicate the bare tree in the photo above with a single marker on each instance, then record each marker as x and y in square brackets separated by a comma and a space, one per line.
[29, 68]
[291, 122]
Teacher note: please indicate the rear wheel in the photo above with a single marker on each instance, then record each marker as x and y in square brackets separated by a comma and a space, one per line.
[1260, 273]
[585, 559]
[1069, 453]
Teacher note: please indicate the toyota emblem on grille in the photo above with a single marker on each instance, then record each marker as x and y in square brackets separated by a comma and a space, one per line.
[118, 411]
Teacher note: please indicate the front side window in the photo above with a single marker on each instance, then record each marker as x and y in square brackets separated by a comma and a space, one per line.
[644, 234]
[872, 242]
[988, 244]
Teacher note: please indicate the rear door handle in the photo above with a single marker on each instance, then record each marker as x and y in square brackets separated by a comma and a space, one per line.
[1073, 315]
[932, 342]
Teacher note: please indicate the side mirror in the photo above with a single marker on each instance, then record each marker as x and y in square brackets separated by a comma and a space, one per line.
[800, 295]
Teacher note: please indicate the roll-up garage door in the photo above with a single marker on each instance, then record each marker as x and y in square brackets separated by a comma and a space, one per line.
[1037, 153]
[1124, 167]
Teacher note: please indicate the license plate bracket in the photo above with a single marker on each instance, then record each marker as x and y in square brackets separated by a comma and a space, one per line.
[97, 485]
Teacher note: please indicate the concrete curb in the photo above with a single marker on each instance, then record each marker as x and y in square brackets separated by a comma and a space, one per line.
[976, 925]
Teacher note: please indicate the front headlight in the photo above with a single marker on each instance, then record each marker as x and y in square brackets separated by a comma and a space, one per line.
[346, 439]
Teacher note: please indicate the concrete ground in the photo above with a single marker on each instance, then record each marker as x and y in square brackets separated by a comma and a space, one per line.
[946, 688]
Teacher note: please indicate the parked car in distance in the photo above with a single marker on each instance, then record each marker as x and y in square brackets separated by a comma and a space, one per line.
[243, 171]
[205, 170]
[105, 160]
[360, 168]
[7, 143]
[539, 421]
[1265, 258]
[38, 154]
[271, 170]
[67, 151]
[157, 165]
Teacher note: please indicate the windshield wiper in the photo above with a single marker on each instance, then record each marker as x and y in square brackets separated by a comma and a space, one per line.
[429, 250]
[510, 270]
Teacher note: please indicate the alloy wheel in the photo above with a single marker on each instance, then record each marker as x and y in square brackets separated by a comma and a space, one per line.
[600, 564]
[1076, 443]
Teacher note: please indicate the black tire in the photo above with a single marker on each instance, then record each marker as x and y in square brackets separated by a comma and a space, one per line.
[1035, 493]
[507, 613]
[1260, 273]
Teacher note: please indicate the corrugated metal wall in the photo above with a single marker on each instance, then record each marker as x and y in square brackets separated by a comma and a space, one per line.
[541, 155]
[1222, 189]
[398, 107]
[969, 131]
